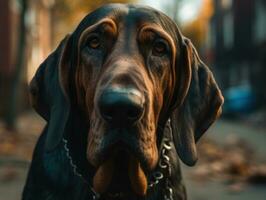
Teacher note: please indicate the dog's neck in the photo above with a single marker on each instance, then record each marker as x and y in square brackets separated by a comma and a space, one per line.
[157, 177]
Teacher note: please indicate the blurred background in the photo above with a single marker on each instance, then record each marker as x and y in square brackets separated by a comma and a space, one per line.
[230, 36]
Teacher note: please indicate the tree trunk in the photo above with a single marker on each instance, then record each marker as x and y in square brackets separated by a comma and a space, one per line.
[11, 114]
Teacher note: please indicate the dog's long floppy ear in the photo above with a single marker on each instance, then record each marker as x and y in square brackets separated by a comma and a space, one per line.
[200, 107]
[49, 92]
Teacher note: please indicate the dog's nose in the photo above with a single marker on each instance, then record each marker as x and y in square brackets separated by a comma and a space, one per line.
[120, 106]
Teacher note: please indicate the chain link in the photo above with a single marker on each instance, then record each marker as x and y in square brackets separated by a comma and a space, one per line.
[168, 195]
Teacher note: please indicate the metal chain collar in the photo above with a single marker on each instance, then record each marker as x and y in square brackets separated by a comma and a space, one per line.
[163, 171]
[95, 195]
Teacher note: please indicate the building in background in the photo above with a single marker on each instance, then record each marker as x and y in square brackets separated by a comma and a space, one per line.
[237, 40]
[36, 48]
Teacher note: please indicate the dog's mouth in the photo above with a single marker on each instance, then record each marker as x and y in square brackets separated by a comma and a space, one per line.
[121, 144]
[120, 173]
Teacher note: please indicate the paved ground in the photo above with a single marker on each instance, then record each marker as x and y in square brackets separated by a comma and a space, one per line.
[13, 170]
[217, 189]
[12, 180]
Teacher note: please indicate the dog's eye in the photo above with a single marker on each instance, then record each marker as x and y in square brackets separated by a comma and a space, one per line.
[159, 48]
[94, 42]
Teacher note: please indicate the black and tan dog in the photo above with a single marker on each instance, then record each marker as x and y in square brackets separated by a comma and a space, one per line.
[124, 96]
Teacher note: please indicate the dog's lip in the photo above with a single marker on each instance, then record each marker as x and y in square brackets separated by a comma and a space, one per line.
[108, 151]
[113, 142]
[127, 139]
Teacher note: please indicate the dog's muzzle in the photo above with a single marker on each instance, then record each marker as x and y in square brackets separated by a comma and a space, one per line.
[121, 106]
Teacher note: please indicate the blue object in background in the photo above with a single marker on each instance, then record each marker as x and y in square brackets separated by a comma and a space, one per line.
[239, 100]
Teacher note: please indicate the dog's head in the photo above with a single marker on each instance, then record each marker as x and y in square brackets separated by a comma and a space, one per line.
[127, 69]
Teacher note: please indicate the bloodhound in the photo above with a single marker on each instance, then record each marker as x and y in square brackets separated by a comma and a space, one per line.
[124, 96]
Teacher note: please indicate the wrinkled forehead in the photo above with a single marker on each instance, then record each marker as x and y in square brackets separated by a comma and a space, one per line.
[131, 16]
[125, 15]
